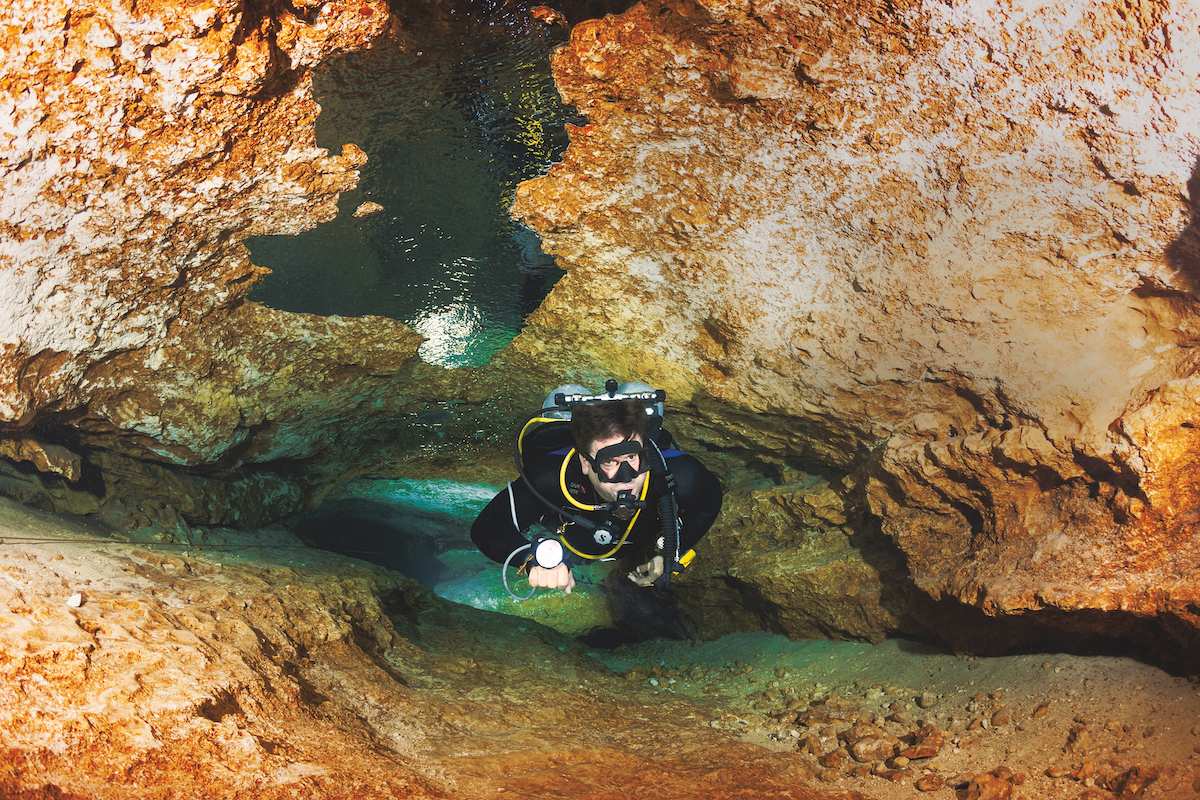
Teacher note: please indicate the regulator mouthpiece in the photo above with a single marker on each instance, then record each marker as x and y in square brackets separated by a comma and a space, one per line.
[625, 506]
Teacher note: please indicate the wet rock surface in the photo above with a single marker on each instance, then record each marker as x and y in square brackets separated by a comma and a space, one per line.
[255, 667]
[1026, 726]
[251, 666]
[877, 239]
[927, 251]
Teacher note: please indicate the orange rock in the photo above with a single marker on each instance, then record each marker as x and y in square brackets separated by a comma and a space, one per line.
[927, 743]
[929, 782]
[988, 787]
[548, 15]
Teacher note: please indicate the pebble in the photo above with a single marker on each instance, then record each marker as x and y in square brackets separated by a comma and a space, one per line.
[76, 600]
[930, 782]
[926, 700]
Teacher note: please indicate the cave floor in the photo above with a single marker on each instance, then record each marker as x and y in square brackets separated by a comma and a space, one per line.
[247, 666]
[1052, 725]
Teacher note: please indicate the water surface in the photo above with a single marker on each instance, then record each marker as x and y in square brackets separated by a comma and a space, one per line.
[451, 122]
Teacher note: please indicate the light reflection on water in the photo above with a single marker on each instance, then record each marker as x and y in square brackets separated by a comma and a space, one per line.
[451, 125]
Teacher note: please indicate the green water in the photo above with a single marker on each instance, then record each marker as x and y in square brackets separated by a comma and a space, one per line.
[451, 123]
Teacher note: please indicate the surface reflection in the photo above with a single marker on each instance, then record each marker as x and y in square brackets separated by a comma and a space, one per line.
[452, 123]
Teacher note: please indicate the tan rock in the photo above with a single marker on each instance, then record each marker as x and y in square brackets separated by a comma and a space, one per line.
[803, 253]
[988, 787]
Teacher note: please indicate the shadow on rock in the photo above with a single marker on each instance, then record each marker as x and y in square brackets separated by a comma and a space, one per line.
[640, 613]
[376, 532]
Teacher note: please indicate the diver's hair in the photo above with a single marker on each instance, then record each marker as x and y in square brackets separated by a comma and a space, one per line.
[602, 419]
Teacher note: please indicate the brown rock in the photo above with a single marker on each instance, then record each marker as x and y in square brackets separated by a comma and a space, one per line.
[1132, 784]
[929, 782]
[927, 743]
[256, 677]
[1079, 739]
[988, 787]
[810, 744]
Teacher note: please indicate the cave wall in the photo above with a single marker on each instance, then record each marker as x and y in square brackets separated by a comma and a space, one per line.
[943, 255]
[947, 251]
[142, 144]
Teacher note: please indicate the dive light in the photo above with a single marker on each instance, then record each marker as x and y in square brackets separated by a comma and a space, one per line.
[548, 553]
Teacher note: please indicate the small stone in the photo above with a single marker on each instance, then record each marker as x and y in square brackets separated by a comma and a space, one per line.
[367, 209]
[927, 743]
[926, 700]
[1041, 709]
[76, 600]
[988, 787]
[870, 750]
[930, 782]
[1079, 739]
[1001, 717]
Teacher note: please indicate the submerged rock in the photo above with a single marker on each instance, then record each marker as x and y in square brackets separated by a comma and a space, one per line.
[921, 245]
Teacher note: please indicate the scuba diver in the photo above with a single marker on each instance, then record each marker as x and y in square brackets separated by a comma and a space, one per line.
[599, 476]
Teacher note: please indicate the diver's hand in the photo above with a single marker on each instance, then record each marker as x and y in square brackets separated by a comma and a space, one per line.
[648, 573]
[558, 578]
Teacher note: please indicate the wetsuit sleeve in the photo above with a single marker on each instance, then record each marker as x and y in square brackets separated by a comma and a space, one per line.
[698, 493]
[493, 530]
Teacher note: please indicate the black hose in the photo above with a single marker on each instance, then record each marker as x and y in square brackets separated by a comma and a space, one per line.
[668, 512]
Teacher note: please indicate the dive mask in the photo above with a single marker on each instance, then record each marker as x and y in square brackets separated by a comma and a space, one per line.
[626, 471]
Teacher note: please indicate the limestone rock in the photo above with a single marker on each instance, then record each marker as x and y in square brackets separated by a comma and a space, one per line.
[279, 671]
[141, 146]
[925, 246]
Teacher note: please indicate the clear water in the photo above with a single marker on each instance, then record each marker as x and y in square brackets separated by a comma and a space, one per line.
[451, 123]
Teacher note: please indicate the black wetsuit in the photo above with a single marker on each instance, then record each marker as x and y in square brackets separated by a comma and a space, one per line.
[697, 495]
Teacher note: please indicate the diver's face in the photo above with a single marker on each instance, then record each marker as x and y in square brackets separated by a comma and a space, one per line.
[608, 491]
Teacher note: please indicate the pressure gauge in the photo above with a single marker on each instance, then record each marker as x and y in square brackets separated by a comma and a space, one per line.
[548, 553]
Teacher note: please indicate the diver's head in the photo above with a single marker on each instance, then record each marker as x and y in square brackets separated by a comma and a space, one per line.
[610, 436]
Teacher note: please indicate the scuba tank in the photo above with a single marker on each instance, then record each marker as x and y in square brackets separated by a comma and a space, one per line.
[548, 431]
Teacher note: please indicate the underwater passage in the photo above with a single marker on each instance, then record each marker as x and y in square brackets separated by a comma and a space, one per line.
[451, 120]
